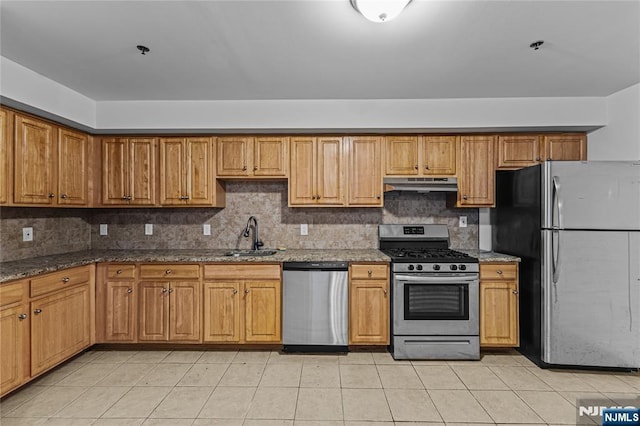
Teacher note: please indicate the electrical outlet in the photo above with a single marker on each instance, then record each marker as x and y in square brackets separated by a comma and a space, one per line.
[103, 229]
[148, 229]
[304, 229]
[206, 229]
[462, 223]
[27, 234]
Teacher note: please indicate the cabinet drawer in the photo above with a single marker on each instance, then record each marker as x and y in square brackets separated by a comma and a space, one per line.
[241, 272]
[59, 280]
[11, 293]
[121, 272]
[366, 272]
[503, 271]
[166, 271]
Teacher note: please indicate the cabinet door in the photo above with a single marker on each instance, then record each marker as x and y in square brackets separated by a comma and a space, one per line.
[518, 151]
[476, 172]
[499, 313]
[154, 311]
[120, 311]
[401, 155]
[142, 171]
[565, 147]
[302, 190]
[439, 155]
[365, 171]
[199, 171]
[184, 311]
[233, 156]
[270, 156]
[172, 171]
[330, 172]
[13, 359]
[6, 139]
[222, 311]
[73, 151]
[34, 166]
[369, 312]
[262, 311]
[60, 327]
[115, 171]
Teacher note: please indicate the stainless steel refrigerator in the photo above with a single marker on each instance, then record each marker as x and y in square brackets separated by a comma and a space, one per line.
[576, 226]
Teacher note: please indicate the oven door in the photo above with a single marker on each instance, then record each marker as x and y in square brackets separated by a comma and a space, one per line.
[436, 304]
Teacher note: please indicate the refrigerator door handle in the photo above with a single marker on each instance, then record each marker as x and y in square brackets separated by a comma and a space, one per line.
[555, 254]
[554, 203]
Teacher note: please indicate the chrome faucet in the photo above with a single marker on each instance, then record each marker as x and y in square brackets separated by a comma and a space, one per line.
[256, 241]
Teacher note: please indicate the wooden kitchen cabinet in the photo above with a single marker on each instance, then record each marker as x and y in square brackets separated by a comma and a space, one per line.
[186, 173]
[265, 156]
[369, 304]
[401, 156]
[116, 303]
[565, 147]
[6, 150]
[499, 305]
[73, 166]
[242, 303]
[14, 336]
[129, 171]
[365, 171]
[420, 155]
[517, 151]
[317, 172]
[475, 171]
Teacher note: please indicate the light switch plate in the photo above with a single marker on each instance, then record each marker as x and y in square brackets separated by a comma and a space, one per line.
[103, 229]
[206, 229]
[148, 229]
[27, 234]
[462, 223]
[304, 229]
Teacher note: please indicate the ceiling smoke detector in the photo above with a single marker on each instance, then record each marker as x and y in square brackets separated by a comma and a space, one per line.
[536, 44]
[143, 49]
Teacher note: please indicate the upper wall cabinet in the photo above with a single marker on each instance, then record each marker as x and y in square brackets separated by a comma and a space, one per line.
[475, 171]
[264, 156]
[365, 171]
[420, 155]
[186, 172]
[129, 171]
[565, 147]
[6, 145]
[50, 164]
[517, 151]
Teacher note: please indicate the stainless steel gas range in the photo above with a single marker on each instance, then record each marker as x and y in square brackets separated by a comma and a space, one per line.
[435, 294]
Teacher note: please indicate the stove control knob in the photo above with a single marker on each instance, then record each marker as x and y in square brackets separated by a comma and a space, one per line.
[463, 267]
[436, 267]
[411, 267]
[419, 267]
[453, 267]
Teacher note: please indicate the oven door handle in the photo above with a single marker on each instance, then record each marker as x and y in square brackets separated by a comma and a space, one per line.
[427, 279]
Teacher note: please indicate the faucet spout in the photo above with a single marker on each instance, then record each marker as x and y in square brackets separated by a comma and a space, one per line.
[257, 243]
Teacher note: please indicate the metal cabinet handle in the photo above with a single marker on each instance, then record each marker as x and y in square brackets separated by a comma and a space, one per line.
[255, 168]
[168, 271]
[378, 196]
[369, 272]
[37, 311]
[22, 317]
[515, 292]
[549, 159]
[51, 195]
[318, 196]
[244, 168]
[170, 290]
[246, 291]
[129, 290]
[416, 167]
[426, 167]
[119, 271]
[164, 290]
[235, 291]
[64, 196]
[65, 279]
[537, 158]
[313, 197]
[499, 272]
[385, 292]
[464, 197]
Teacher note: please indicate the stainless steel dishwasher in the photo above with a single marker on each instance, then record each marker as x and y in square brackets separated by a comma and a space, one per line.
[315, 306]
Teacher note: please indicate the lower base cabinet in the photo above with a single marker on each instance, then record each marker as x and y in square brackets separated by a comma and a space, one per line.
[499, 305]
[369, 304]
[14, 336]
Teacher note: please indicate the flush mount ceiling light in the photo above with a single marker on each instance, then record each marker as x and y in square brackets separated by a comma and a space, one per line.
[143, 49]
[379, 10]
[536, 44]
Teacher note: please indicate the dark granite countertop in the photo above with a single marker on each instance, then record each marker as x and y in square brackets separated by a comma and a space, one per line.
[39, 265]
[490, 256]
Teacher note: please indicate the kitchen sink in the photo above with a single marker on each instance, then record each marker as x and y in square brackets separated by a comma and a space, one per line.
[251, 253]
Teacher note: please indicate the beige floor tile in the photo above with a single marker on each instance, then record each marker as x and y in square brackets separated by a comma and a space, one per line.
[319, 404]
[573, 396]
[263, 422]
[88, 375]
[54, 421]
[631, 379]
[429, 362]
[623, 398]
[411, 405]
[148, 357]
[399, 377]
[126, 374]
[523, 360]
[357, 358]
[10, 403]
[438, 377]
[139, 402]
[323, 423]
[358, 423]
[386, 358]
[458, 406]
[359, 376]
[57, 374]
[168, 422]
[114, 357]
[119, 422]
[24, 421]
[504, 360]
[218, 422]
[520, 378]
[93, 403]
[604, 382]
[87, 356]
[365, 404]
[550, 406]
[285, 358]
[217, 357]
[228, 403]
[242, 375]
[164, 375]
[282, 375]
[183, 403]
[183, 357]
[321, 358]
[252, 357]
[48, 402]
[324, 375]
[273, 403]
[203, 375]
[506, 407]
[479, 377]
[561, 380]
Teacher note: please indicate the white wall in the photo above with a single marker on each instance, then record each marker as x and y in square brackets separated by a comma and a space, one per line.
[620, 139]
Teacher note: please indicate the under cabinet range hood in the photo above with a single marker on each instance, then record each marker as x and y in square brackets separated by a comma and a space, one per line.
[421, 184]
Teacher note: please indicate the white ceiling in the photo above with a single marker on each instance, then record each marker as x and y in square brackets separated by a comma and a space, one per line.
[306, 49]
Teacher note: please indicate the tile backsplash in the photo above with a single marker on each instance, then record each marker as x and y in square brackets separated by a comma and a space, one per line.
[64, 230]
